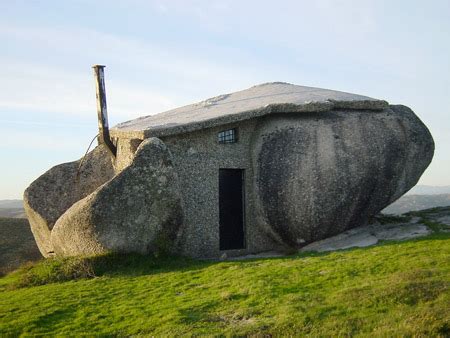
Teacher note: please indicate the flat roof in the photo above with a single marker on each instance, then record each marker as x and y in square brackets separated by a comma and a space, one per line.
[260, 100]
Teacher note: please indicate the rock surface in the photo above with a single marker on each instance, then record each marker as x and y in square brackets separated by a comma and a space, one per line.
[400, 230]
[319, 176]
[139, 210]
[369, 235]
[49, 196]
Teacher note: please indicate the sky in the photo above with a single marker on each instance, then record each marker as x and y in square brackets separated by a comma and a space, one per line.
[164, 54]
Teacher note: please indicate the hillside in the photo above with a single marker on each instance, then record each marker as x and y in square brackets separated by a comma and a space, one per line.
[408, 203]
[17, 244]
[12, 209]
[12, 213]
[418, 198]
[14, 204]
[429, 190]
[392, 289]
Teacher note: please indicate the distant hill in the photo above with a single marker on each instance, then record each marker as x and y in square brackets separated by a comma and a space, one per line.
[417, 202]
[429, 190]
[418, 198]
[11, 204]
[13, 213]
[12, 209]
[17, 244]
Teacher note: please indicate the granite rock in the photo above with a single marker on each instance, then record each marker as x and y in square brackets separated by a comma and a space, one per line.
[319, 176]
[139, 210]
[49, 196]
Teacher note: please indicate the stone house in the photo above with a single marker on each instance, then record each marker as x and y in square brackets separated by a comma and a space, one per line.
[272, 167]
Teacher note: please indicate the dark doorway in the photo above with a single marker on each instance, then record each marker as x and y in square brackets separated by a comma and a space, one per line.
[231, 209]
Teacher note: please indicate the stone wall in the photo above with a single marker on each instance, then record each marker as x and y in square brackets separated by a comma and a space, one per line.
[197, 158]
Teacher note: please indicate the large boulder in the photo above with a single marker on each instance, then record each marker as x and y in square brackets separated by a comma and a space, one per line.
[49, 196]
[139, 210]
[321, 175]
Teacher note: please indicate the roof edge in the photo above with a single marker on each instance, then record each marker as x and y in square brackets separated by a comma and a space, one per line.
[279, 108]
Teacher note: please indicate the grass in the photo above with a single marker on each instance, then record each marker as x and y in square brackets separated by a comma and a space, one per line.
[426, 217]
[388, 219]
[427, 212]
[394, 289]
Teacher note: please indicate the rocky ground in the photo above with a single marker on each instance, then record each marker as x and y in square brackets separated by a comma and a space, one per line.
[383, 228]
[387, 227]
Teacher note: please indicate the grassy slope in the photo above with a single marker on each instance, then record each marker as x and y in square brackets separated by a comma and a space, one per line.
[392, 289]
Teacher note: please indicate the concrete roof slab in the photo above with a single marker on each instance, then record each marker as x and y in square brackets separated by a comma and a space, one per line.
[260, 100]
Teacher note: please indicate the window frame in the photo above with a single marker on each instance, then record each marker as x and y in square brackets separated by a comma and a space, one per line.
[227, 136]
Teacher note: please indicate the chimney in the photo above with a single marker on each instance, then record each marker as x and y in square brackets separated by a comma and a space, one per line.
[102, 112]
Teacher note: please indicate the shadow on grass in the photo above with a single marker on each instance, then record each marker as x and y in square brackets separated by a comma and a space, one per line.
[201, 313]
[54, 270]
[48, 321]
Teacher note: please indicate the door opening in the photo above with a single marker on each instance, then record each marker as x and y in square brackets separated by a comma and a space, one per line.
[231, 209]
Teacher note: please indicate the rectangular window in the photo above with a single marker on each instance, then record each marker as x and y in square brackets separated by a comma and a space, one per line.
[227, 136]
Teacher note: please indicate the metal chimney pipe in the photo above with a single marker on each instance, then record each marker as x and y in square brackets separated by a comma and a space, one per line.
[102, 112]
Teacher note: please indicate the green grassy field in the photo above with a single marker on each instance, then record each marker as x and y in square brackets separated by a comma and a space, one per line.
[393, 289]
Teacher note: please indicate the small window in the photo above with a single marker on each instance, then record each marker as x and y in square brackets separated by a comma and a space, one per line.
[227, 136]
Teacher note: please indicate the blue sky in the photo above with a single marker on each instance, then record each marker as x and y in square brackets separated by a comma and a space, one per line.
[163, 54]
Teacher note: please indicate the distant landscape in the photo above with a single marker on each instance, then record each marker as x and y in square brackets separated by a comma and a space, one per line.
[417, 202]
[429, 190]
[12, 209]
[418, 198]
[17, 244]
